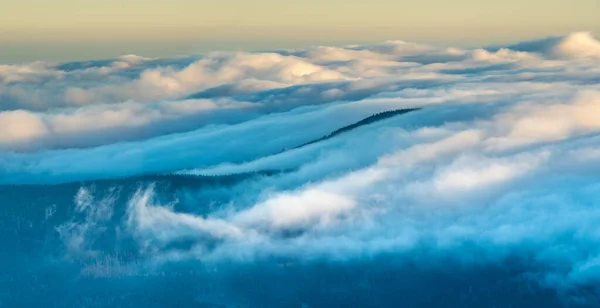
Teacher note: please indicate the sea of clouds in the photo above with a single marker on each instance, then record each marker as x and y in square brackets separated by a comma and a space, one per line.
[500, 161]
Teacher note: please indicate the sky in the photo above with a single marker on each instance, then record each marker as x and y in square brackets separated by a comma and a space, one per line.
[76, 30]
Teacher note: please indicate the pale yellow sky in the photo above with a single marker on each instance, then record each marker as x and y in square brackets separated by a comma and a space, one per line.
[108, 27]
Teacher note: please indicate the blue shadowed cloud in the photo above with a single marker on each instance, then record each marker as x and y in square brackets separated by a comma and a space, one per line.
[138, 174]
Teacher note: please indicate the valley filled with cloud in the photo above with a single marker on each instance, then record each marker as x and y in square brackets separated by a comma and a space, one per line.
[245, 167]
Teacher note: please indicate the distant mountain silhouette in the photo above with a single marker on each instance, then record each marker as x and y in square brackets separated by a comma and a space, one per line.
[366, 121]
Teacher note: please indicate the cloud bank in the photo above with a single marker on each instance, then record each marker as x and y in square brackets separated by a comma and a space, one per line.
[500, 162]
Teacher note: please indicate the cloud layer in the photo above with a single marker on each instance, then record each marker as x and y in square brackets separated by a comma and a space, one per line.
[501, 160]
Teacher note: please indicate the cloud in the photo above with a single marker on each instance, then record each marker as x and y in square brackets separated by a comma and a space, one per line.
[100, 124]
[444, 192]
[106, 93]
[571, 46]
[499, 163]
[535, 122]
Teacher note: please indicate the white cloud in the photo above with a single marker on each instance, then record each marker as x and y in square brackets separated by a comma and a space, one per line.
[502, 158]
[576, 45]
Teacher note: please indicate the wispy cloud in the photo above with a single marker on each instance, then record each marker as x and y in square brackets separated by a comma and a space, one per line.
[501, 159]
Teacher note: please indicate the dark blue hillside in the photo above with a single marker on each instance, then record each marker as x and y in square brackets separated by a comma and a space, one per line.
[366, 121]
